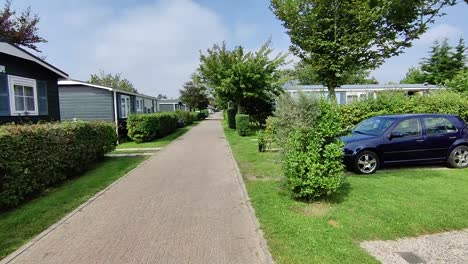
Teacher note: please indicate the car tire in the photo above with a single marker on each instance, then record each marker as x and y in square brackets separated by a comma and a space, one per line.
[458, 158]
[366, 162]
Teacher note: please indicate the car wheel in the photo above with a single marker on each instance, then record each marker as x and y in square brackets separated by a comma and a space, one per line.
[366, 162]
[458, 158]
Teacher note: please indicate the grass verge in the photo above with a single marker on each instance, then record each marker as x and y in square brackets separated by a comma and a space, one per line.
[23, 223]
[160, 142]
[388, 205]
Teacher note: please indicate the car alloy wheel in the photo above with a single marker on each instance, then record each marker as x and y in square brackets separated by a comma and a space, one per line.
[367, 163]
[459, 157]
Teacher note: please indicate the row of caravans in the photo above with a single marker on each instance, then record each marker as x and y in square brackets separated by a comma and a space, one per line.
[32, 90]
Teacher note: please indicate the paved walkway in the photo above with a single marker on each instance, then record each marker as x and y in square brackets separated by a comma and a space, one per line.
[185, 205]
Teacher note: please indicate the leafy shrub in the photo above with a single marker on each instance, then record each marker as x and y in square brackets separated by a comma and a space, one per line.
[313, 155]
[185, 117]
[262, 141]
[146, 127]
[195, 116]
[443, 102]
[34, 157]
[268, 137]
[243, 124]
[293, 113]
[203, 114]
[231, 117]
[459, 83]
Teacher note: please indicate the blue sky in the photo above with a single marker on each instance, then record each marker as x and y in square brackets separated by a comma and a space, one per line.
[156, 43]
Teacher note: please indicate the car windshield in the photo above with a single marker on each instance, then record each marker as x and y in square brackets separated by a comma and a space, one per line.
[374, 126]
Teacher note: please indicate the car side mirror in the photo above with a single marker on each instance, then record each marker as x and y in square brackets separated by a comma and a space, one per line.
[396, 135]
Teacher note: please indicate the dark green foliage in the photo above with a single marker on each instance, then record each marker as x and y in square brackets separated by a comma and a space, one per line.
[442, 65]
[202, 114]
[237, 77]
[34, 157]
[340, 37]
[442, 102]
[185, 117]
[313, 155]
[231, 117]
[195, 95]
[243, 124]
[146, 127]
[460, 82]
[269, 136]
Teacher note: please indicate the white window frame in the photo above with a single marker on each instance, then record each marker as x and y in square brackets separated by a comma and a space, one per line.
[126, 104]
[16, 80]
[140, 103]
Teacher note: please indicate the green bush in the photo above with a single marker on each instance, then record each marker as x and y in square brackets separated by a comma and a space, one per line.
[386, 103]
[231, 117]
[313, 155]
[195, 116]
[185, 117]
[293, 113]
[146, 127]
[34, 157]
[203, 114]
[243, 124]
[268, 137]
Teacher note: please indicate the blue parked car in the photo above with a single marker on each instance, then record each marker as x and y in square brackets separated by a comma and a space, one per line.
[410, 139]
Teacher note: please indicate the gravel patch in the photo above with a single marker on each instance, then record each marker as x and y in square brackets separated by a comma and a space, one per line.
[450, 247]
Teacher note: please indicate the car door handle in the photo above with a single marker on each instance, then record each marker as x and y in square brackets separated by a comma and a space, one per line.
[452, 137]
[420, 140]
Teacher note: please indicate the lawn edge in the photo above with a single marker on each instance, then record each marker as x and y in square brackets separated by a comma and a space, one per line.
[251, 210]
[54, 226]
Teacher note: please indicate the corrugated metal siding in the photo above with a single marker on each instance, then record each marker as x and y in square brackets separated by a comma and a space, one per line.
[166, 108]
[86, 103]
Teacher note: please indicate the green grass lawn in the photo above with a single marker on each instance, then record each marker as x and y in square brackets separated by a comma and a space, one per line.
[23, 223]
[160, 142]
[388, 205]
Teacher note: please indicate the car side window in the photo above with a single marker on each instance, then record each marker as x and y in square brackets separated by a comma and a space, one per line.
[409, 127]
[438, 125]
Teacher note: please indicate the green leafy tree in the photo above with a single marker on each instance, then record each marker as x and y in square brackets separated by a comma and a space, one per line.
[414, 75]
[195, 95]
[19, 30]
[340, 36]
[460, 82]
[305, 74]
[112, 80]
[236, 76]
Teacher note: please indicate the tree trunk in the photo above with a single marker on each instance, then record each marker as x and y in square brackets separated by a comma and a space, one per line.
[240, 109]
[331, 92]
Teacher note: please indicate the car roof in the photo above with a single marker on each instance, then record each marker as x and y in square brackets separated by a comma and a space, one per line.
[416, 115]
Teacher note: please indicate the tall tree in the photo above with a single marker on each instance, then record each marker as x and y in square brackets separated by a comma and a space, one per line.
[236, 76]
[459, 83]
[305, 74]
[414, 75]
[195, 95]
[112, 80]
[19, 30]
[339, 36]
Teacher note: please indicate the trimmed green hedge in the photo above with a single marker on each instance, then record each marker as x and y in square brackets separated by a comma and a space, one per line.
[387, 103]
[203, 114]
[231, 117]
[146, 127]
[34, 157]
[186, 117]
[243, 124]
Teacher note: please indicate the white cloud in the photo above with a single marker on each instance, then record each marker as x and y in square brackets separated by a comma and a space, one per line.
[439, 32]
[157, 46]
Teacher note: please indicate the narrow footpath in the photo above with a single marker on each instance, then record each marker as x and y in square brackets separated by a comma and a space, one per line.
[187, 204]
